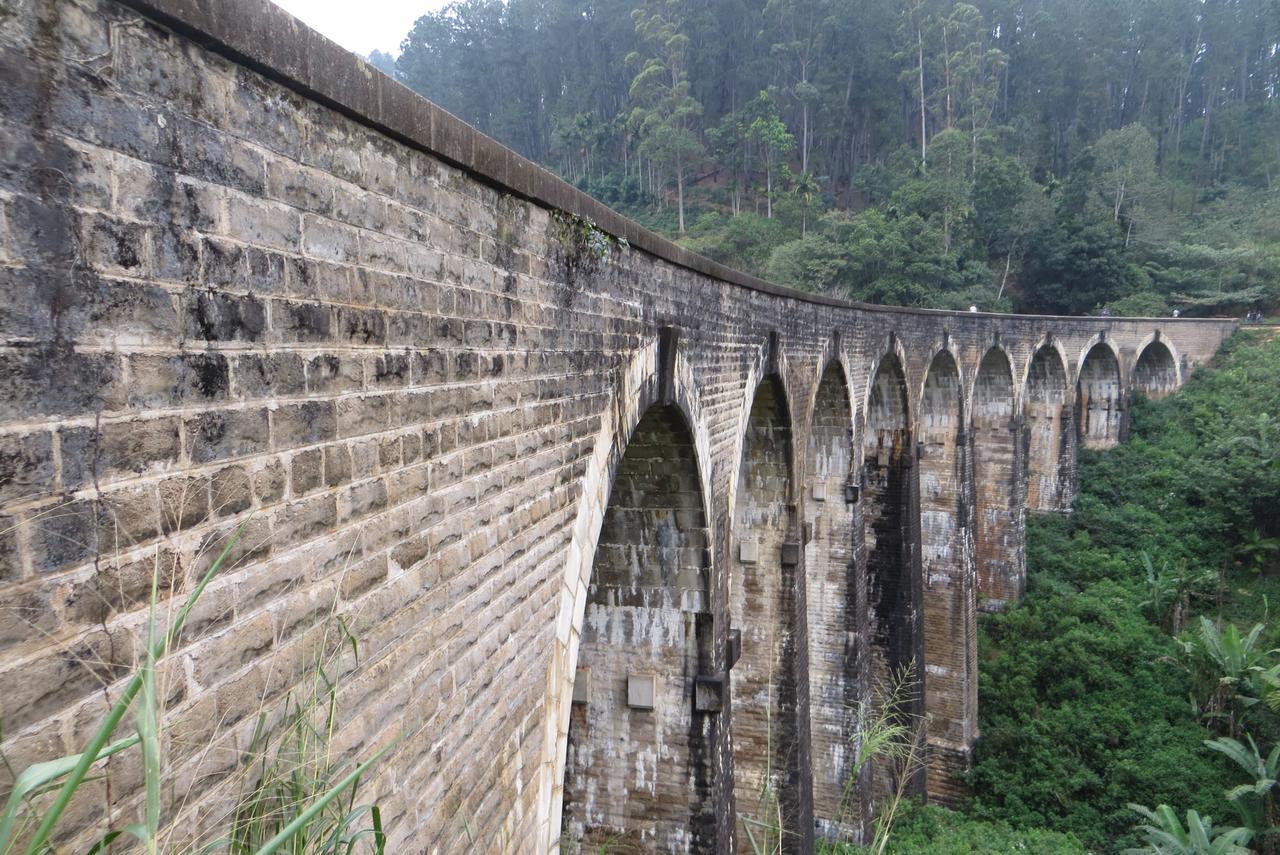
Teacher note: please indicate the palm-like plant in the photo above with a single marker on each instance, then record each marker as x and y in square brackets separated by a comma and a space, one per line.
[1165, 835]
[1228, 668]
[1170, 591]
[1254, 801]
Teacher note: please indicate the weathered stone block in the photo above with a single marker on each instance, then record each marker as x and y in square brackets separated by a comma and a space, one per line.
[304, 423]
[337, 465]
[216, 317]
[268, 376]
[167, 381]
[26, 466]
[306, 471]
[221, 434]
[117, 449]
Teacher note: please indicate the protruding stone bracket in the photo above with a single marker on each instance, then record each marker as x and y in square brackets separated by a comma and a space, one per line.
[732, 649]
[582, 686]
[852, 492]
[668, 340]
[790, 554]
[708, 693]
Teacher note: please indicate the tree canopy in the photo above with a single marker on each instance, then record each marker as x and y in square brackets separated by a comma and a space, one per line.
[1040, 155]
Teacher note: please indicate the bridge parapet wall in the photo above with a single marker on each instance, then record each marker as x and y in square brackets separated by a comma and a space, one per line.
[251, 283]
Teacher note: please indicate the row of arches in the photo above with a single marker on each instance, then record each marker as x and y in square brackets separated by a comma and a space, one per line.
[874, 566]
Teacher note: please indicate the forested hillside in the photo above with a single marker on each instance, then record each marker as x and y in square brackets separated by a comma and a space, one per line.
[1039, 155]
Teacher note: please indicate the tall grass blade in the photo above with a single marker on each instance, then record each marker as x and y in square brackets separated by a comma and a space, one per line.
[39, 777]
[313, 810]
[148, 726]
[93, 752]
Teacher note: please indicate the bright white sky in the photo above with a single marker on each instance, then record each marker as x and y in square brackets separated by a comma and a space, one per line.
[362, 25]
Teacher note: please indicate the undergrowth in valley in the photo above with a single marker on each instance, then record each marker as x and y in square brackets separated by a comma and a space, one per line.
[1098, 691]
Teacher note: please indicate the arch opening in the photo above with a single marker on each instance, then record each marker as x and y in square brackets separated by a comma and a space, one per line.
[638, 768]
[1156, 373]
[893, 585]
[836, 611]
[998, 503]
[1050, 453]
[950, 633]
[1100, 396]
[765, 739]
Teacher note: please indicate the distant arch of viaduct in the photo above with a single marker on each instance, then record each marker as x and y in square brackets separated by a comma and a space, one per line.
[627, 537]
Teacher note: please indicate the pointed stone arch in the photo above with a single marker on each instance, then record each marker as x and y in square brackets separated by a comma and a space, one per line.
[657, 374]
[1050, 429]
[835, 607]
[762, 604]
[1155, 372]
[1100, 397]
[948, 596]
[890, 535]
[638, 766]
[998, 501]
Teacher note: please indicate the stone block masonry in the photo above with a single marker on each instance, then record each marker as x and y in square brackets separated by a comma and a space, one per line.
[249, 282]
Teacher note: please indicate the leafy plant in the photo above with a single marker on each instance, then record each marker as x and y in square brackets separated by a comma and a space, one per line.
[1255, 801]
[299, 801]
[1169, 592]
[1227, 669]
[1166, 835]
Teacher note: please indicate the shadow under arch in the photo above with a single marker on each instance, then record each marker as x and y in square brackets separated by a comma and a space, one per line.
[1050, 419]
[1155, 372]
[948, 595]
[638, 768]
[998, 505]
[767, 739]
[890, 535]
[656, 375]
[835, 591]
[1100, 397]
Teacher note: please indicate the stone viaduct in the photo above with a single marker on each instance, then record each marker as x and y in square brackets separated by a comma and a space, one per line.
[626, 537]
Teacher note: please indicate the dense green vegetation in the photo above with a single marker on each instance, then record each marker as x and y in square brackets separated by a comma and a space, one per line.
[1089, 702]
[1040, 155]
[936, 831]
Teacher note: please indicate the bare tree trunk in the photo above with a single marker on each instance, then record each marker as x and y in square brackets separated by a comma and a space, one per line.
[768, 188]
[1004, 280]
[680, 192]
[924, 150]
[804, 139]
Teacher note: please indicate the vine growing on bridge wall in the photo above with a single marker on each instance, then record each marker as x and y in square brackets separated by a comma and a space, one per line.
[582, 245]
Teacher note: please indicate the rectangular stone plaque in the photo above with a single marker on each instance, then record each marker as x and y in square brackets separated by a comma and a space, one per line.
[641, 691]
[748, 552]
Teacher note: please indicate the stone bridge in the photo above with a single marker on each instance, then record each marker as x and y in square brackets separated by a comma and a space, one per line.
[627, 538]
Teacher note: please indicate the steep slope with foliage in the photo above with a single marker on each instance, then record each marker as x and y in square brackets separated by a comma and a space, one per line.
[1044, 155]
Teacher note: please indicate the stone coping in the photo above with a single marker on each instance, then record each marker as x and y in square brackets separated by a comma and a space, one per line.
[267, 39]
